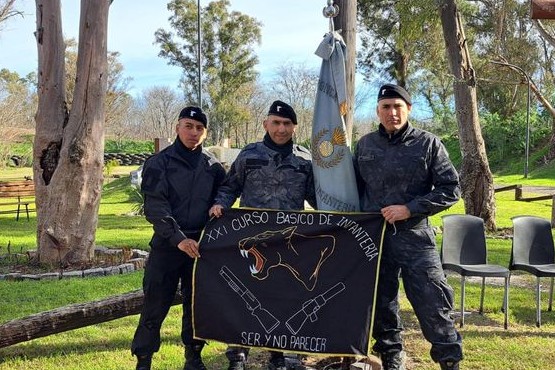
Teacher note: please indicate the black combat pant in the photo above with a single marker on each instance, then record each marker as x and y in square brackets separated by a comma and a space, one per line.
[163, 273]
[412, 254]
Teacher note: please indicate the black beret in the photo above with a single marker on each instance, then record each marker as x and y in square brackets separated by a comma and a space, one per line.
[281, 109]
[194, 113]
[389, 91]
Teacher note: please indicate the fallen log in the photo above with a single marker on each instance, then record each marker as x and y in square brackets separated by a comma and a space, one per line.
[73, 317]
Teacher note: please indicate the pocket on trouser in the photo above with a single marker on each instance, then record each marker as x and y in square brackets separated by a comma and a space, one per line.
[437, 279]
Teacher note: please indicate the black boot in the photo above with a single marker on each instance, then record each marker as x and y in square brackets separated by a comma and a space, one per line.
[449, 365]
[239, 362]
[193, 359]
[277, 361]
[393, 360]
[346, 363]
[144, 362]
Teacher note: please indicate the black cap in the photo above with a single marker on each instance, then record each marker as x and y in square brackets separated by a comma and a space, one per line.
[281, 109]
[194, 113]
[390, 91]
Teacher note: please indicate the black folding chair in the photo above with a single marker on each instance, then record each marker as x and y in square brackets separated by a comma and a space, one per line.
[534, 253]
[463, 250]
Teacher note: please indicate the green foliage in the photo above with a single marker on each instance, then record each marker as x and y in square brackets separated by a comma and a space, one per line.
[228, 58]
[307, 143]
[109, 167]
[16, 145]
[138, 202]
[505, 138]
[453, 148]
[128, 146]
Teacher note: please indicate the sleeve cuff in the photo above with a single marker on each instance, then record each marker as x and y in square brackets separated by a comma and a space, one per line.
[177, 238]
[414, 208]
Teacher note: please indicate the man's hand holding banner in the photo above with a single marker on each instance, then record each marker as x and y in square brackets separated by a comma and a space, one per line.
[300, 282]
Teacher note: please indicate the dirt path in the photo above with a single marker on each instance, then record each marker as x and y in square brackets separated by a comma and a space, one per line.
[543, 190]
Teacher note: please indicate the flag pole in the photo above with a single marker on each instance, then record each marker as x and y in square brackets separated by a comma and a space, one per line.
[199, 57]
[332, 165]
[331, 11]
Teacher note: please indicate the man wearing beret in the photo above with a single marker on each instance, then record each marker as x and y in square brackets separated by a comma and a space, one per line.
[179, 185]
[272, 174]
[405, 173]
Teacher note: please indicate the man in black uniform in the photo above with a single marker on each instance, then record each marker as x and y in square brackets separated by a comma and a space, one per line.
[405, 173]
[179, 185]
[272, 174]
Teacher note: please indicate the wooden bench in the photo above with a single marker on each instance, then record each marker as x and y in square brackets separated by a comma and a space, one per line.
[20, 193]
[520, 197]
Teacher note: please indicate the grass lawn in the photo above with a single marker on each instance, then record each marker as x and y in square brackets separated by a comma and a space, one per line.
[487, 345]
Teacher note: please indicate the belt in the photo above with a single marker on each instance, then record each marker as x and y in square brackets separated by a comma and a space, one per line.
[410, 223]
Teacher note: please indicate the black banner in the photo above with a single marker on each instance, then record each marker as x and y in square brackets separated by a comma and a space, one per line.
[300, 282]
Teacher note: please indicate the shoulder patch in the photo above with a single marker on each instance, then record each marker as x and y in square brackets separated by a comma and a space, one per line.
[250, 146]
[301, 151]
[210, 157]
[151, 177]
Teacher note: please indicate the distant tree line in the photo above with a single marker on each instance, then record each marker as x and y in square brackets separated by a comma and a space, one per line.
[402, 42]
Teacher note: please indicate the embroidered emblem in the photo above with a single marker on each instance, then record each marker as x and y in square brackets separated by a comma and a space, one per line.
[328, 147]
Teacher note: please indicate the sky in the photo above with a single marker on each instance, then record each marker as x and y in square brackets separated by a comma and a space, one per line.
[291, 32]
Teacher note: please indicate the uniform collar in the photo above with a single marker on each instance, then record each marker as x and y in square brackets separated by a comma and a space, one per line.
[190, 156]
[397, 135]
[284, 150]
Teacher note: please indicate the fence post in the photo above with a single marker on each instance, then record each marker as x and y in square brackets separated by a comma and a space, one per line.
[518, 192]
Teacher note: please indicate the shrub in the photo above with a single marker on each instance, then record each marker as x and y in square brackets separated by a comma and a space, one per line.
[128, 146]
[109, 167]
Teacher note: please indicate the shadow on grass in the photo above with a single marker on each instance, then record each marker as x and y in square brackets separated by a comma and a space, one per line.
[119, 191]
[111, 222]
[527, 315]
[31, 351]
[521, 318]
[34, 350]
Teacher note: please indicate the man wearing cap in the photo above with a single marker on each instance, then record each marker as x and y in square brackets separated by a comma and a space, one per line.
[405, 173]
[179, 185]
[272, 174]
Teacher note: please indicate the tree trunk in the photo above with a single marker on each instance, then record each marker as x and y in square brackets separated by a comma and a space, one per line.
[551, 40]
[73, 317]
[68, 148]
[347, 22]
[476, 178]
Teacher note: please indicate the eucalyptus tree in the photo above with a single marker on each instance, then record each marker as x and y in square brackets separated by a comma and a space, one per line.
[17, 110]
[396, 36]
[69, 143]
[403, 41]
[17, 100]
[504, 32]
[117, 100]
[14, 89]
[547, 32]
[227, 59]
[7, 10]
[476, 177]
[524, 59]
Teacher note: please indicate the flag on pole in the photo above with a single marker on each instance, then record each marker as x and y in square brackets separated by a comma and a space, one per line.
[334, 175]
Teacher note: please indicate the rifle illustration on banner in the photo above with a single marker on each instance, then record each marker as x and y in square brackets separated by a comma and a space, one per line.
[332, 164]
[266, 319]
[311, 307]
